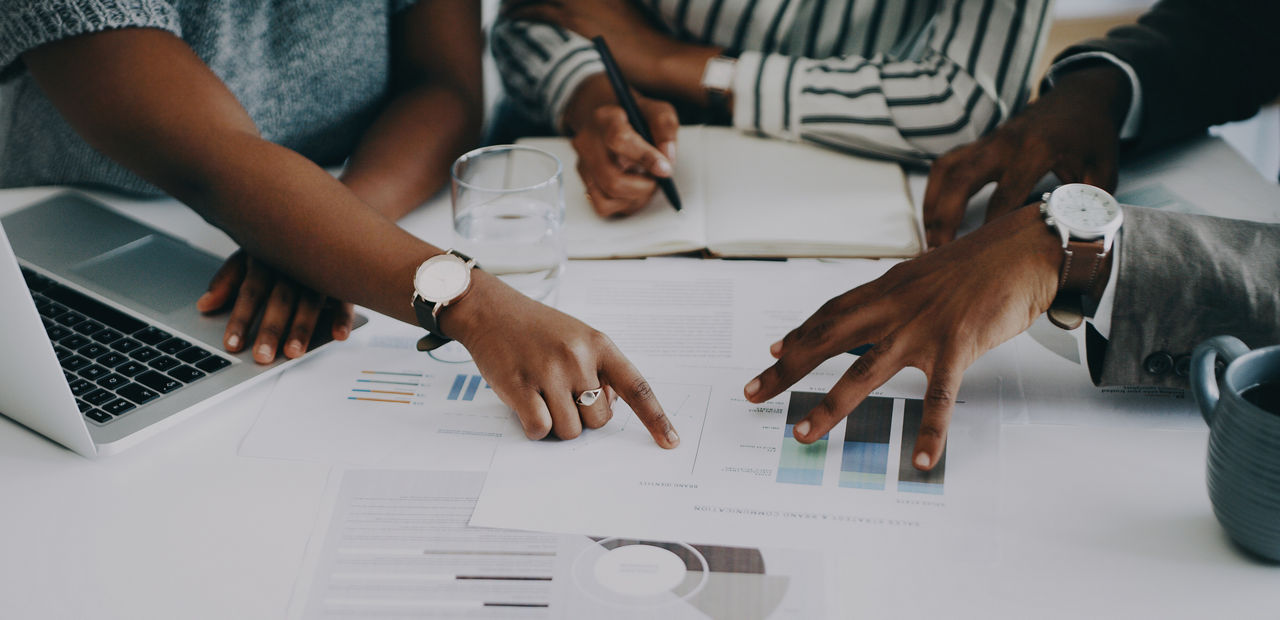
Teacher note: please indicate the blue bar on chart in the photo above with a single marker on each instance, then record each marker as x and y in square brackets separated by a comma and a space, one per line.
[472, 383]
[864, 460]
[911, 479]
[799, 463]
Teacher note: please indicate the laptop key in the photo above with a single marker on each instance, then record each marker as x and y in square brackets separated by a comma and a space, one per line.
[92, 349]
[97, 415]
[136, 393]
[52, 310]
[95, 309]
[75, 362]
[58, 332]
[74, 341]
[118, 406]
[111, 359]
[62, 352]
[152, 335]
[131, 368]
[192, 355]
[125, 345]
[186, 374]
[164, 363]
[212, 364]
[83, 406]
[88, 327]
[112, 381]
[158, 382]
[145, 354]
[80, 387]
[72, 318]
[94, 372]
[173, 345]
[98, 396]
[107, 336]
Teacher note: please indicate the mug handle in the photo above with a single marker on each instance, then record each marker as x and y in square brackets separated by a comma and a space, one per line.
[1204, 379]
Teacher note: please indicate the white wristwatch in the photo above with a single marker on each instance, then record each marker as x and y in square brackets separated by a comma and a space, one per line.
[717, 82]
[442, 280]
[1087, 219]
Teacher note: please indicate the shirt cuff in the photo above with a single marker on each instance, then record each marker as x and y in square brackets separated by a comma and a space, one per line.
[1102, 316]
[761, 85]
[1132, 120]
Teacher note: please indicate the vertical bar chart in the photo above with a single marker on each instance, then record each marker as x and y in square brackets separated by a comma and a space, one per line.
[799, 463]
[910, 479]
[465, 387]
[864, 459]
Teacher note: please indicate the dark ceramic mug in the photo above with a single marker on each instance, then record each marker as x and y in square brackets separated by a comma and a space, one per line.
[1244, 440]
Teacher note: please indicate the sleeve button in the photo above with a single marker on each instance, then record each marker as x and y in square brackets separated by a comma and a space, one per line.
[1158, 363]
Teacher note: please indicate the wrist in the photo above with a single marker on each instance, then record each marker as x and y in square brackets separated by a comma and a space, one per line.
[592, 93]
[1043, 251]
[467, 316]
[1099, 86]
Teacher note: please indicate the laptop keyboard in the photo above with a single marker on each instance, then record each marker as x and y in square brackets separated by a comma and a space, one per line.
[112, 361]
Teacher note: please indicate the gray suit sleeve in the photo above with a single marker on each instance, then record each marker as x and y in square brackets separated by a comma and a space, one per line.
[1182, 279]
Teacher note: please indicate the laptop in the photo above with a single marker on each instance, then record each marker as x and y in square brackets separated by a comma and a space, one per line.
[101, 345]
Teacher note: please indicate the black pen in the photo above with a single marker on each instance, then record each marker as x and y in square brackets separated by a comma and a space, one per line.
[628, 103]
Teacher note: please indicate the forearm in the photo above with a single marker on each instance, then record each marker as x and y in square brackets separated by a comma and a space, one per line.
[404, 158]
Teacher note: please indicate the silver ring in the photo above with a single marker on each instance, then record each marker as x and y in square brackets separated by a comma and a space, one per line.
[589, 397]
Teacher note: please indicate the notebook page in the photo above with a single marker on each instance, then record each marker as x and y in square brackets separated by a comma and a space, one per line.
[655, 229]
[774, 198]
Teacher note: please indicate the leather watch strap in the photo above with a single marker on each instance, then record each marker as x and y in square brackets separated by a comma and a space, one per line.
[1082, 262]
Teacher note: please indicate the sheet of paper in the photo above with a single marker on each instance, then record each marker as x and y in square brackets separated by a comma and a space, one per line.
[377, 401]
[1056, 388]
[813, 201]
[397, 544]
[739, 477]
[656, 229]
[705, 311]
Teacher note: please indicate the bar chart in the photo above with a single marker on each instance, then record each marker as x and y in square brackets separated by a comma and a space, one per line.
[864, 460]
[910, 479]
[800, 463]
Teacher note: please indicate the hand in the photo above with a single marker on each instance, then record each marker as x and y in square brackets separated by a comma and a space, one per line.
[938, 313]
[1073, 131]
[284, 305]
[538, 360]
[617, 166]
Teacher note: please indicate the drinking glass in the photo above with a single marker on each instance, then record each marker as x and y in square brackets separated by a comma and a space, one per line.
[508, 214]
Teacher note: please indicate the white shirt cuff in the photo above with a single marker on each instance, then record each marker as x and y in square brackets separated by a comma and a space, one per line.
[1133, 119]
[1102, 316]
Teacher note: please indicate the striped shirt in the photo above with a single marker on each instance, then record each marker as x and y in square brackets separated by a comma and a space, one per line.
[907, 79]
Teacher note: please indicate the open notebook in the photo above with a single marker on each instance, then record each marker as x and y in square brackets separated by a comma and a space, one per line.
[748, 196]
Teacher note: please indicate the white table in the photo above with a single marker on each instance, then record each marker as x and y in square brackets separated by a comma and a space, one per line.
[1093, 522]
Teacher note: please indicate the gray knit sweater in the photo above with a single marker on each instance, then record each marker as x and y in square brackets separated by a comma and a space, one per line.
[311, 73]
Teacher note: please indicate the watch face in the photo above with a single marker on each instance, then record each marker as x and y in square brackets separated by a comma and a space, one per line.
[442, 278]
[1084, 208]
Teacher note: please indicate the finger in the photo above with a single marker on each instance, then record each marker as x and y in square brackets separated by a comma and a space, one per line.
[565, 420]
[607, 205]
[618, 372]
[257, 283]
[344, 320]
[275, 319]
[939, 402]
[627, 147]
[841, 323]
[664, 124]
[867, 373]
[305, 314]
[1012, 191]
[598, 413]
[953, 179]
[222, 286]
[534, 416]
